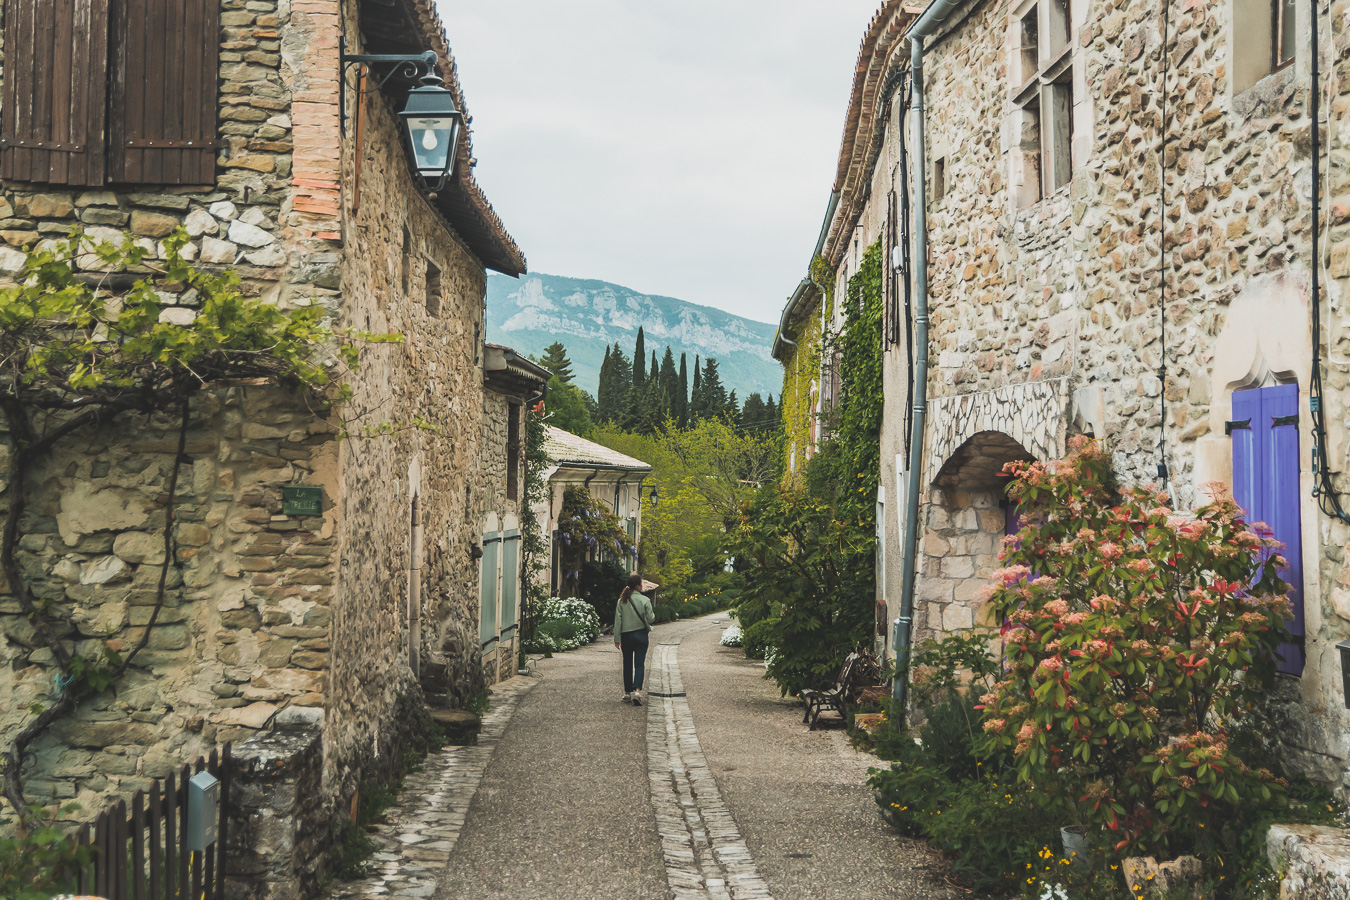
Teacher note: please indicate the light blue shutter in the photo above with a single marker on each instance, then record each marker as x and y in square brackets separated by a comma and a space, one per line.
[510, 579]
[487, 619]
[1264, 431]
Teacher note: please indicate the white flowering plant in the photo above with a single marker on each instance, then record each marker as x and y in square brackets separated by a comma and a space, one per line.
[563, 624]
[731, 636]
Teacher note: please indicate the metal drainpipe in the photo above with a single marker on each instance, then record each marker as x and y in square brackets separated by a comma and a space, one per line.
[926, 24]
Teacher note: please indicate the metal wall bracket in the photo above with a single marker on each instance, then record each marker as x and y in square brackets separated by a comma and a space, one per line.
[421, 66]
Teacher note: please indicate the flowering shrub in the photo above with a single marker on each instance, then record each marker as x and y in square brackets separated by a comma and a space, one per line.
[562, 625]
[1135, 641]
[731, 636]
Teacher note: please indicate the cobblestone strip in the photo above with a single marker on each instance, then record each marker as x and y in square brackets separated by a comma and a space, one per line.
[705, 856]
[419, 834]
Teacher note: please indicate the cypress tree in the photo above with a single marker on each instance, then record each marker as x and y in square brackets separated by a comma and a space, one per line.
[771, 413]
[733, 409]
[682, 397]
[670, 386]
[714, 394]
[640, 360]
[696, 396]
[603, 390]
[620, 382]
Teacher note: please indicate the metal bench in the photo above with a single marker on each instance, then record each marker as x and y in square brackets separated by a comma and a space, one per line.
[817, 701]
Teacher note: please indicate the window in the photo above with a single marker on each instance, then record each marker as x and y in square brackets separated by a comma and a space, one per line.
[1264, 434]
[1284, 32]
[433, 289]
[406, 274]
[939, 178]
[121, 92]
[513, 451]
[487, 592]
[510, 579]
[1264, 39]
[1043, 100]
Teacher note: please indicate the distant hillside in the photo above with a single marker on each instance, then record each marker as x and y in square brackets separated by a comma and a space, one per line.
[529, 313]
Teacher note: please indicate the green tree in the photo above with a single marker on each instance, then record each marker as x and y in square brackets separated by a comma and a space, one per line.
[615, 388]
[681, 410]
[753, 412]
[640, 360]
[696, 402]
[714, 393]
[556, 361]
[75, 356]
[567, 407]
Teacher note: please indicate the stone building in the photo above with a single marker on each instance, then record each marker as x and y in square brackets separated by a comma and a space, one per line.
[224, 117]
[1119, 242]
[613, 479]
[514, 384]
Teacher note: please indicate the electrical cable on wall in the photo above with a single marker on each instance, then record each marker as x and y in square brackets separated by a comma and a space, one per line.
[1164, 477]
[1328, 500]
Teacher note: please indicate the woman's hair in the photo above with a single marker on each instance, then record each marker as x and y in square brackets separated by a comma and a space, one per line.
[634, 583]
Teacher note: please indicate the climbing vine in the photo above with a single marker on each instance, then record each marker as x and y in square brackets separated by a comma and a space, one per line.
[76, 355]
[810, 544]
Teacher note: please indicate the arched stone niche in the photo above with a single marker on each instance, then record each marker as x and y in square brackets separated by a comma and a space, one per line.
[1034, 414]
[965, 521]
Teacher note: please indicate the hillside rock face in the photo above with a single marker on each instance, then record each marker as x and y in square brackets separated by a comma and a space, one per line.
[532, 312]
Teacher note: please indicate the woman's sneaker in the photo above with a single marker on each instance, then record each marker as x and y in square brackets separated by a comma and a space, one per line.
[627, 697]
[637, 698]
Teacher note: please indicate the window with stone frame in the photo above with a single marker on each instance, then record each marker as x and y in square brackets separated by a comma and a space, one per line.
[1264, 39]
[433, 289]
[1043, 98]
[106, 92]
[513, 460]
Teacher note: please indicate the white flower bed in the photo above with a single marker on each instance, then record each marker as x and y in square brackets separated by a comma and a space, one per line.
[582, 618]
[731, 637]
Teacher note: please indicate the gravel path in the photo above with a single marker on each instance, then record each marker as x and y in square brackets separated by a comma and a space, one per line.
[719, 793]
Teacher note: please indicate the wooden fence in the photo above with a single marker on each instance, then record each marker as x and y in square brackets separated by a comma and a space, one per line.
[142, 853]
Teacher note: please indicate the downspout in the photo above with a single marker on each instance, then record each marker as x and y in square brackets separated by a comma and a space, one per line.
[926, 24]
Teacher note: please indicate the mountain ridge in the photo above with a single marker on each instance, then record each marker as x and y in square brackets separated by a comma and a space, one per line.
[589, 314]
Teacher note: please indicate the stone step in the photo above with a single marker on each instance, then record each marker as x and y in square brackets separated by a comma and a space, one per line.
[461, 726]
[1315, 860]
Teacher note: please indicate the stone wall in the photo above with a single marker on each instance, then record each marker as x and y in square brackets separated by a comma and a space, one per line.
[244, 629]
[434, 375]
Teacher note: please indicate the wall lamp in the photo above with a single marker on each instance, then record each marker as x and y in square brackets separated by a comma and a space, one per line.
[654, 496]
[431, 121]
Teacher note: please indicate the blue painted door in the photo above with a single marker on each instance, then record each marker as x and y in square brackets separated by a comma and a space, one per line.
[1264, 431]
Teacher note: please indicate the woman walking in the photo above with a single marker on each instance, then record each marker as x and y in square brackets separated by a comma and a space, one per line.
[633, 618]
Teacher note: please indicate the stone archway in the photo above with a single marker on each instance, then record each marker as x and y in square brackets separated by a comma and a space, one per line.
[966, 519]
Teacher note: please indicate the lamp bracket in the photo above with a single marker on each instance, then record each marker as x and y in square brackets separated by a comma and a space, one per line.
[421, 66]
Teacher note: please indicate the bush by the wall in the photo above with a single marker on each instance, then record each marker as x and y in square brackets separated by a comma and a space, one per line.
[563, 624]
[755, 640]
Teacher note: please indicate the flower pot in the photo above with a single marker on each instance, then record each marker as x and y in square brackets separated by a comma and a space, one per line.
[1074, 838]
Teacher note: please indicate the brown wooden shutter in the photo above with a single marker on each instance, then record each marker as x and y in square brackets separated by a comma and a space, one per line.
[56, 55]
[163, 78]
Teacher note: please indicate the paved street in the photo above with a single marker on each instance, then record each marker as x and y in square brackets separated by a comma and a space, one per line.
[716, 791]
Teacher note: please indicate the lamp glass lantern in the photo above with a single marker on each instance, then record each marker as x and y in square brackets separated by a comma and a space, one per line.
[433, 124]
[654, 496]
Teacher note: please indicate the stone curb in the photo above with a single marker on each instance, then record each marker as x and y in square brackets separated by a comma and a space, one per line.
[421, 831]
[705, 856]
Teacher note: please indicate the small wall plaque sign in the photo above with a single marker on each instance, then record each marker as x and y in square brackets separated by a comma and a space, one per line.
[301, 500]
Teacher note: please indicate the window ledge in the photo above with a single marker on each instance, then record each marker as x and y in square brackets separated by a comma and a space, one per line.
[1268, 96]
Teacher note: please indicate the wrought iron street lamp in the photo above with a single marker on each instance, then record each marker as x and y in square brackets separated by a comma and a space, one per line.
[654, 496]
[430, 118]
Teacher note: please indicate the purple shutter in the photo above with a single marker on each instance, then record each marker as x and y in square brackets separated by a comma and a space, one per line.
[1266, 485]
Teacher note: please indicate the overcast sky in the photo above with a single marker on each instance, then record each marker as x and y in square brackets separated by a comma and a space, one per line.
[678, 147]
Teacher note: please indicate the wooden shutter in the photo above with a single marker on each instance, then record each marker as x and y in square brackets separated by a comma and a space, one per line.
[510, 579]
[164, 73]
[54, 94]
[487, 614]
[1264, 431]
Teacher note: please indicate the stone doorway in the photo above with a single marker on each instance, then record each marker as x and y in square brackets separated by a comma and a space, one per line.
[966, 517]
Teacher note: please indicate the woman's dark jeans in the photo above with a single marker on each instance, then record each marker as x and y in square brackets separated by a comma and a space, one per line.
[634, 644]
